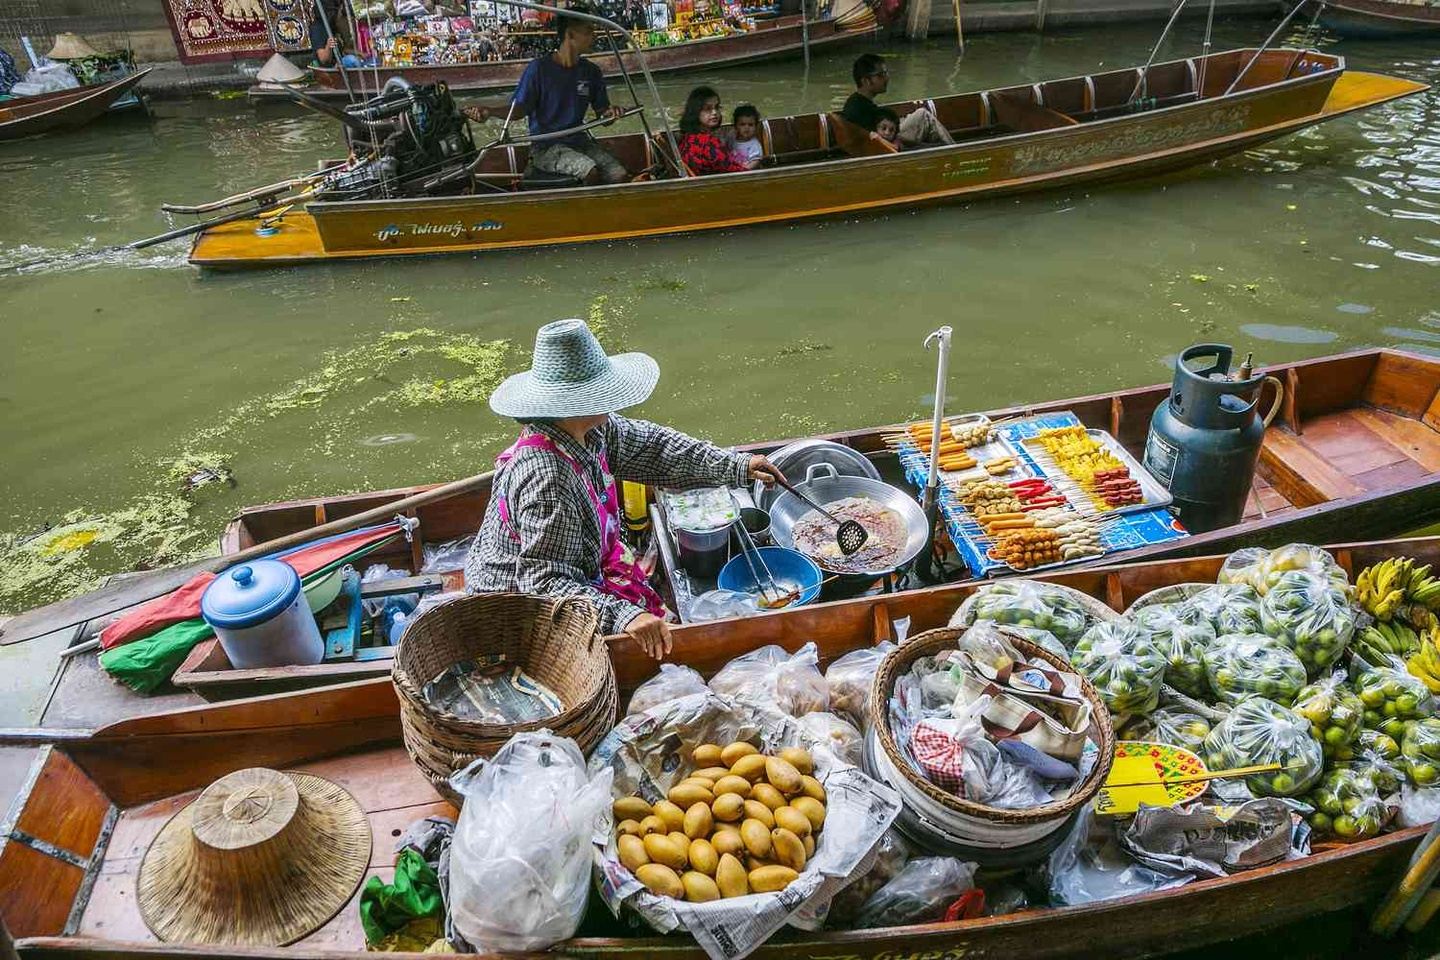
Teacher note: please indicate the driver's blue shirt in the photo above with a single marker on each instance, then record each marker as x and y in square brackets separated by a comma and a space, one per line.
[556, 97]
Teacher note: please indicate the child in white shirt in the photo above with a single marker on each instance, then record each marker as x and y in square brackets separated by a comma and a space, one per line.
[747, 149]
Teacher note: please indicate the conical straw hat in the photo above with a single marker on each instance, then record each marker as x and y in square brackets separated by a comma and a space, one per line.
[71, 46]
[260, 858]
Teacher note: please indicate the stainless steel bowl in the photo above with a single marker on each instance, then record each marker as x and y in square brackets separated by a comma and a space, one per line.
[795, 459]
[824, 485]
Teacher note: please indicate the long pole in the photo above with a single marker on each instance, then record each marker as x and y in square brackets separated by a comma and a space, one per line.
[959, 29]
[805, 32]
[1205, 52]
[1145, 70]
[932, 480]
[338, 54]
[1268, 40]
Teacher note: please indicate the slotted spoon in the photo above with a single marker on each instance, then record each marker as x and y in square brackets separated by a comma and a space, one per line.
[849, 534]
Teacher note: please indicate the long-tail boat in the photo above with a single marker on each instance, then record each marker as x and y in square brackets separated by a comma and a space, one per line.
[1113, 125]
[1356, 451]
[771, 39]
[94, 800]
[1380, 19]
[66, 109]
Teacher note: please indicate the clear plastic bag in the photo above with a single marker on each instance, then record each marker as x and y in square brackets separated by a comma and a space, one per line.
[955, 754]
[1244, 566]
[520, 857]
[750, 675]
[1262, 731]
[1125, 665]
[1347, 806]
[1182, 641]
[1229, 607]
[1373, 743]
[836, 734]
[1334, 712]
[1043, 639]
[851, 678]
[672, 682]
[1028, 603]
[891, 855]
[920, 893]
[1090, 865]
[1179, 729]
[1391, 697]
[1419, 806]
[1247, 665]
[1300, 557]
[1310, 615]
[800, 687]
[791, 684]
[446, 557]
[1420, 751]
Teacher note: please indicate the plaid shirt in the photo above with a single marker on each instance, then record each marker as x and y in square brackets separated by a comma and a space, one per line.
[558, 553]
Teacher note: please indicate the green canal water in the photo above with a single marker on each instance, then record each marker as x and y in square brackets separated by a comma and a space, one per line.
[122, 375]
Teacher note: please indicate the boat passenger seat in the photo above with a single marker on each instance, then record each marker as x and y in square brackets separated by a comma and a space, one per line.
[854, 140]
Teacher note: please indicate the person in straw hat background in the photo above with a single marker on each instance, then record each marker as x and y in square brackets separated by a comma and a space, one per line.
[553, 526]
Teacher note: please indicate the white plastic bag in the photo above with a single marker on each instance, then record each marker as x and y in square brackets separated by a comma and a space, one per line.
[851, 678]
[670, 683]
[769, 676]
[835, 733]
[520, 859]
[920, 893]
[52, 78]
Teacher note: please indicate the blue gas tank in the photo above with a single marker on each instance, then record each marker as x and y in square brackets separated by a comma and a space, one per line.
[1205, 437]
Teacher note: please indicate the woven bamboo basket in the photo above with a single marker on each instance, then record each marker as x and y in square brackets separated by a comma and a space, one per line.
[1174, 593]
[932, 642]
[554, 641]
[1097, 609]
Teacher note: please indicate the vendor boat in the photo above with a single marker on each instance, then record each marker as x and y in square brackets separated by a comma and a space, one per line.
[29, 116]
[1115, 125]
[772, 38]
[93, 802]
[1356, 450]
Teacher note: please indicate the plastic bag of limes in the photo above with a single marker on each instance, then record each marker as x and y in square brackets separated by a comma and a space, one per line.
[1124, 664]
[1260, 731]
[1391, 697]
[1348, 806]
[1228, 607]
[1334, 712]
[1027, 603]
[1249, 664]
[1181, 641]
[1420, 750]
[1311, 615]
[1177, 728]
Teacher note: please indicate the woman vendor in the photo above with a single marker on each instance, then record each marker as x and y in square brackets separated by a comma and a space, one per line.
[553, 523]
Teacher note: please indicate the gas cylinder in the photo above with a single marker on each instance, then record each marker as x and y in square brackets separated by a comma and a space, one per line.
[1205, 436]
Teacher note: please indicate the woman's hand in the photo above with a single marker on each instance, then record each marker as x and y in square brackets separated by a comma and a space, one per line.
[763, 470]
[652, 633]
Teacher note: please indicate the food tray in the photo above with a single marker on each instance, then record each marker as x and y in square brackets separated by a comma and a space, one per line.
[1154, 495]
[999, 447]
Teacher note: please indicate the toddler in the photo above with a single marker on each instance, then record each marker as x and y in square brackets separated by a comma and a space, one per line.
[747, 149]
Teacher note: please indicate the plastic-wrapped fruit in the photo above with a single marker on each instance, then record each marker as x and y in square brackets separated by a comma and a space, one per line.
[1302, 557]
[1421, 751]
[1181, 641]
[1124, 664]
[1248, 665]
[1229, 607]
[1311, 615]
[1260, 731]
[1377, 743]
[1244, 566]
[1347, 806]
[1185, 730]
[1391, 697]
[1028, 603]
[1334, 712]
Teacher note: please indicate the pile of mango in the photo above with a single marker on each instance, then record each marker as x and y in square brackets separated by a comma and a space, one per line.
[741, 822]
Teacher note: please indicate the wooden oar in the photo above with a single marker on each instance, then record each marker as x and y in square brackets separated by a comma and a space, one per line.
[130, 591]
[1412, 886]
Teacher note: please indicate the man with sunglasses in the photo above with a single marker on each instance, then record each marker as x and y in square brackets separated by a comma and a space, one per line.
[872, 79]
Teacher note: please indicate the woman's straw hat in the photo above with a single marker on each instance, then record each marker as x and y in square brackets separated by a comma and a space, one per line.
[260, 858]
[71, 46]
[571, 376]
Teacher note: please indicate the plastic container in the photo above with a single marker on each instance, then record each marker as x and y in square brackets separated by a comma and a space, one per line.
[261, 618]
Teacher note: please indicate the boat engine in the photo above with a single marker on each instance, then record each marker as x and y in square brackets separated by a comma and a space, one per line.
[417, 134]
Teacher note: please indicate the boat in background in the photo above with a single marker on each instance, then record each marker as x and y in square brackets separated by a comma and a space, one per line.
[1380, 19]
[94, 801]
[66, 109]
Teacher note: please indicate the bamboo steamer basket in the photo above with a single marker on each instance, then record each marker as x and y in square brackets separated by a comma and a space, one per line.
[557, 642]
[985, 832]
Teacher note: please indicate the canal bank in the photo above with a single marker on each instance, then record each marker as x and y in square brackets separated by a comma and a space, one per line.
[142, 26]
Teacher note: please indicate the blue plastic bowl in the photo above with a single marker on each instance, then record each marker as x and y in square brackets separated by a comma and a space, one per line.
[790, 568]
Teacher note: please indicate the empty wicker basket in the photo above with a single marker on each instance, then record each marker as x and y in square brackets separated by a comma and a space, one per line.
[554, 641]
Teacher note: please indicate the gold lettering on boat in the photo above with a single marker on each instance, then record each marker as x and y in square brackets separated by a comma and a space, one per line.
[455, 231]
[965, 169]
[1114, 144]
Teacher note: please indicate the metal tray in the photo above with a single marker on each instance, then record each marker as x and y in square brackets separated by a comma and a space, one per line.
[999, 447]
[1154, 495]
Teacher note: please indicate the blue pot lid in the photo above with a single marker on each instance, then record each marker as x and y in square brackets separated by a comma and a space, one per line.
[250, 594]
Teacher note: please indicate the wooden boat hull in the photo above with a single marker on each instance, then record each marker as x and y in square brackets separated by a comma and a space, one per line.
[1371, 411]
[93, 801]
[67, 109]
[782, 38]
[1380, 19]
[1131, 145]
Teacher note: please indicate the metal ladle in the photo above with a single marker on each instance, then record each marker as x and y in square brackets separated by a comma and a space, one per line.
[849, 534]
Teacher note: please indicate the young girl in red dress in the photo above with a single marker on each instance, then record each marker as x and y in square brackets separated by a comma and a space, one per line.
[701, 146]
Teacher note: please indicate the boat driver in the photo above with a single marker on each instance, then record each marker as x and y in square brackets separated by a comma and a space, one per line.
[554, 93]
[553, 524]
[872, 78]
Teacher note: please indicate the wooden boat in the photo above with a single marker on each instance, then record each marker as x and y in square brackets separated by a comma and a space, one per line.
[1356, 451]
[93, 802]
[28, 116]
[1026, 137]
[771, 39]
[1380, 19]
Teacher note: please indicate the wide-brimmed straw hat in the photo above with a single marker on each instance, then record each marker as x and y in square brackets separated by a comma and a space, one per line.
[571, 376]
[260, 858]
[71, 46]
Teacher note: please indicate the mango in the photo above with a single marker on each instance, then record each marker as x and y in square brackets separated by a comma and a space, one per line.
[686, 795]
[728, 807]
[661, 880]
[673, 816]
[812, 788]
[735, 751]
[653, 824]
[755, 834]
[751, 767]
[698, 821]
[632, 853]
[771, 879]
[732, 784]
[789, 850]
[703, 856]
[794, 821]
[813, 809]
[628, 827]
[706, 755]
[630, 808]
[799, 759]
[782, 775]
[727, 840]
[755, 810]
[767, 795]
[731, 878]
[713, 774]
[699, 888]
[660, 849]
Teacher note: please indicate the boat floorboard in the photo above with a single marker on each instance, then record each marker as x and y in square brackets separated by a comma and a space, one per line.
[387, 785]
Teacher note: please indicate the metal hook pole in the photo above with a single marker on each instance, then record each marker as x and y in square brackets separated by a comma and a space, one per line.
[1145, 70]
[1285, 21]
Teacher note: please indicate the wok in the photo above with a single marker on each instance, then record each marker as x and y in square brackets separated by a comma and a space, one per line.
[823, 484]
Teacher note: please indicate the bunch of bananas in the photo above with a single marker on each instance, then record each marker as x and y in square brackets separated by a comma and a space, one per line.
[1381, 643]
[1396, 589]
[1424, 662]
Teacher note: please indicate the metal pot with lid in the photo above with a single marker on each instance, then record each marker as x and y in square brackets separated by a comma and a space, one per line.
[824, 485]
